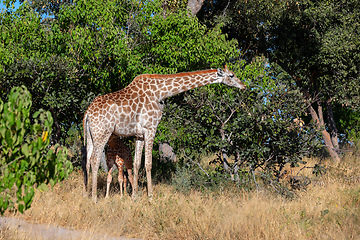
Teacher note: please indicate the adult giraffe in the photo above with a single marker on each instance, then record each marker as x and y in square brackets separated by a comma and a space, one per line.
[136, 111]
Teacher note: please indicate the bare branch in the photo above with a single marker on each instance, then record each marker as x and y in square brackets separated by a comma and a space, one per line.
[18, 158]
[196, 164]
[257, 185]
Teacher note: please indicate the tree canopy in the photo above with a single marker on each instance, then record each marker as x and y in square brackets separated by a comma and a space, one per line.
[96, 47]
[315, 42]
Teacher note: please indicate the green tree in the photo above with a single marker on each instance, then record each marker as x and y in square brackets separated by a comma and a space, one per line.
[26, 162]
[260, 128]
[95, 47]
[33, 56]
[50, 8]
[315, 42]
[348, 122]
[180, 43]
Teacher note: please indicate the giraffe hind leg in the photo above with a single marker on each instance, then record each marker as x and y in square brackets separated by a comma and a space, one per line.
[121, 181]
[95, 163]
[95, 169]
[87, 152]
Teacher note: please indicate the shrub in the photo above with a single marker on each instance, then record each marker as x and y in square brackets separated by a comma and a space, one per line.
[26, 161]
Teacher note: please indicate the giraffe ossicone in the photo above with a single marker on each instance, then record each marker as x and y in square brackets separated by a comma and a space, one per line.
[136, 111]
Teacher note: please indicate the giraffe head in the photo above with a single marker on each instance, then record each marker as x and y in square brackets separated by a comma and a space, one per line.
[227, 77]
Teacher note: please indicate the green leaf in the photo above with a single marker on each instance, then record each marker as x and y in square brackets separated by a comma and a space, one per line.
[21, 208]
[25, 149]
[43, 187]
[8, 138]
[11, 118]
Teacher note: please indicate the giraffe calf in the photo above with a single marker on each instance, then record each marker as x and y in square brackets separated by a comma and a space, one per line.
[118, 154]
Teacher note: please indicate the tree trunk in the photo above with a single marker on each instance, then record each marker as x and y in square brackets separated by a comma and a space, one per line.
[332, 126]
[319, 120]
[223, 151]
[237, 167]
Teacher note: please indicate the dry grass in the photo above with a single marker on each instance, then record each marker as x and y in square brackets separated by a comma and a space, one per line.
[11, 233]
[328, 209]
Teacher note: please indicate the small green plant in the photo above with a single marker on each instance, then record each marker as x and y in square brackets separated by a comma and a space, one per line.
[182, 180]
[319, 170]
[26, 161]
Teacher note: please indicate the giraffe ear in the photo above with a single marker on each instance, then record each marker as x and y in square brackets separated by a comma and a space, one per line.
[221, 72]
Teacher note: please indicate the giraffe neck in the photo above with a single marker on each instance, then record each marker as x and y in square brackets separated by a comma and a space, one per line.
[164, 86]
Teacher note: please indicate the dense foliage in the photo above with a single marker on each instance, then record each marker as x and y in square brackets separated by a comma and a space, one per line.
[300, 60]
[315, 42]
[26, 162]
[69, 60]
[256, 129]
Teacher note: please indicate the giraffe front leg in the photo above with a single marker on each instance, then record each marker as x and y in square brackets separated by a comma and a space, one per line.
[137, 162]
[110, 163]
[108, 182]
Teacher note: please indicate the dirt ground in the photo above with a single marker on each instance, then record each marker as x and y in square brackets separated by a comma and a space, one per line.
[42, 231]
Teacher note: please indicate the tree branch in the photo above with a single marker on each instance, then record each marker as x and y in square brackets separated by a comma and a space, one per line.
[18, 158]
[196, 164]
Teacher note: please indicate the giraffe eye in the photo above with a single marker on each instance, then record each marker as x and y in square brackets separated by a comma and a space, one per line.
[231, 75]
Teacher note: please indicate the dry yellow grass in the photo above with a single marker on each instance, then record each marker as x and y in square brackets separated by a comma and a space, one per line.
[328, 209]
[11, 233]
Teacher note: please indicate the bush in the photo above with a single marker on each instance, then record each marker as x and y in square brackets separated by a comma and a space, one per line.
[26, 161]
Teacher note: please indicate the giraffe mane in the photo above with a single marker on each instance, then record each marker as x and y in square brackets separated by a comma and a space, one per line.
[183, 74]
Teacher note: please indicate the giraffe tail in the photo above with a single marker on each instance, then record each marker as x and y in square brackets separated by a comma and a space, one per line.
[84, 150]
[83, 164]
